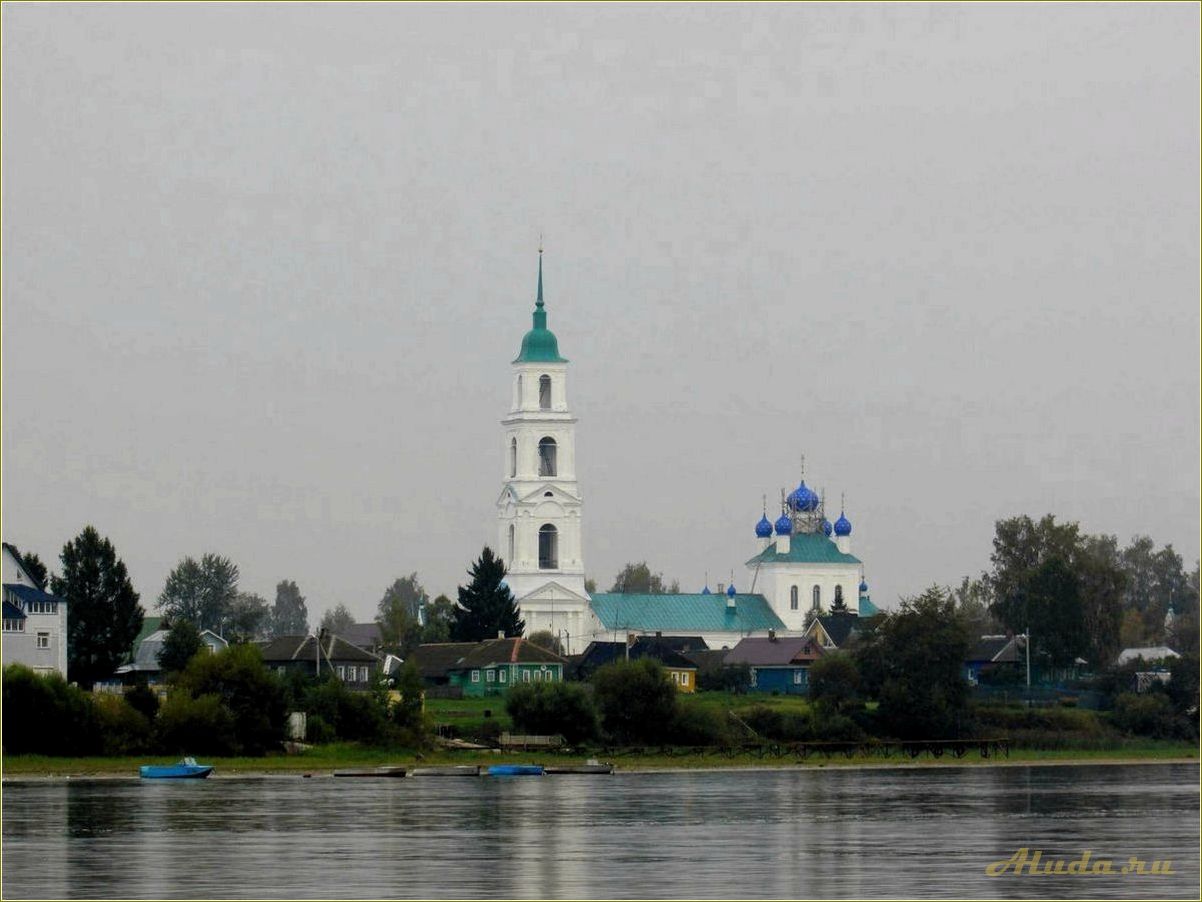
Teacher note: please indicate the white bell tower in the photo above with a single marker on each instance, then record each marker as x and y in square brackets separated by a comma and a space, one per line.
[539, 510]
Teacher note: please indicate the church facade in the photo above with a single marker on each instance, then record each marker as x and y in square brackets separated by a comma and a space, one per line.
[803, 567]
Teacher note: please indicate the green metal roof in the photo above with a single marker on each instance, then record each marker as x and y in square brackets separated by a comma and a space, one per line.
[805, 548]
[540, 345]
[867, 608]
[679, 613]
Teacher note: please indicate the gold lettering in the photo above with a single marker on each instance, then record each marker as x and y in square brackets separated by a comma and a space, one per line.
[998, 868]
[1163, 867]
[1103, 866]
[1078, 866]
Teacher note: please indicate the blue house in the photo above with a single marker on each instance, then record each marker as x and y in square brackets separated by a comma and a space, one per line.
[777, 665]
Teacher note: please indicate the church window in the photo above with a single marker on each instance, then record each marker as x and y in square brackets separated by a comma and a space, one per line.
[817, 602]
[513, 457]
[548, 547]
[793, 599]
[510, 558]
[547, 456]
[521, 400]
[544, 392]
[838, 594]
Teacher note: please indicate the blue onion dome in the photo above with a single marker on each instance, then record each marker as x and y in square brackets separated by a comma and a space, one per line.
[842, 526]
[863, 586]
[730, 591]
[706, 591]
[809, 498]
[826, 527]
[784, 526]
[763, 529]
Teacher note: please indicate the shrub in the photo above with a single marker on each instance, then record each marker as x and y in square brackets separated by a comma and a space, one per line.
[835, 682]
[252, 694]
[44, 715]
[203, 725]
[769, 723]
[697, 725]
[124, 730]
[317, 730]
[553, 708]
[144, 700]
[636, 701]
[734, 678]
[1150, 714]
[356, 716]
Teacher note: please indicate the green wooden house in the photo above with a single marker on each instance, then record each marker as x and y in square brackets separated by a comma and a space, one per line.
[489, 667]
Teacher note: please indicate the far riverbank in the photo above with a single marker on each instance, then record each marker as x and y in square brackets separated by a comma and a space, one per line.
[322, 761]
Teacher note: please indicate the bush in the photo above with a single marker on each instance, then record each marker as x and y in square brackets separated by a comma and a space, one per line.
[1150, 714]
[835, 682]
[734, 678]
[204, 726]
[769, 723]
[317, 730]
[44, 715]
[144, 700]
[355, 716]
[124, 730]
[253, 696]
[697, 725]
[553, 708]
[636, 701]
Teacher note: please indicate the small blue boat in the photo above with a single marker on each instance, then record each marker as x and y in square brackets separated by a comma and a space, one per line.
[187, 769]
[515, 770]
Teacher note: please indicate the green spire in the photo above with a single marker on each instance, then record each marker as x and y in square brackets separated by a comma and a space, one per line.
[539, 344]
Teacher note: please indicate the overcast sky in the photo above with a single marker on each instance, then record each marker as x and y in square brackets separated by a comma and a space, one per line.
[265, 269]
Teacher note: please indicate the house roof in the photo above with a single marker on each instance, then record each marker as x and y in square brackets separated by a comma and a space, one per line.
[839, 626]
[710, 659]
[12, 612]
[805, 548]
[693, 613]
[29, 593]
[303, 648]
[995, 650]
[149, 625]
[436, 658]
[508, 651]
[363, 635]
[780, 652]
[146, 649]
[598, 654]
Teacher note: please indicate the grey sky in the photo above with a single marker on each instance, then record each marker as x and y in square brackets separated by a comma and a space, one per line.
[265, 269]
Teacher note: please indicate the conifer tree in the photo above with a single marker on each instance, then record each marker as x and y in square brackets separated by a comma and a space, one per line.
[486, 607]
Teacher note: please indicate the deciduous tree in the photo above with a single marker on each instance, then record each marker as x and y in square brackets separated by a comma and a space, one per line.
[637, 579]
[201, 591]
[289, 615]
[337, 620]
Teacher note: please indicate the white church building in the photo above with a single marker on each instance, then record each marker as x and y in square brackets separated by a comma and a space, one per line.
[803, 567]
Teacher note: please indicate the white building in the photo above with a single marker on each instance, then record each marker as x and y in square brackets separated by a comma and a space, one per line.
[35, 622]
[804, 570]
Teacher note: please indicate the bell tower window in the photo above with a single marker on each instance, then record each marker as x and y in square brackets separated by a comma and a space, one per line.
[509, 560]
[793, 598]
[548, 547]
[817, 598]
[544, 392]
[513, 457]
[547, 456]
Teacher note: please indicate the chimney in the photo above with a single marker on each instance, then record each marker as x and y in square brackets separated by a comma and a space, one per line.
[721, 588]
[659, 634]
[771, 635]
[500, 634]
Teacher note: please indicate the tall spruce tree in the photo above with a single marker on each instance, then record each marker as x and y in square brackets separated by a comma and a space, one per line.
[103, 614]
[486, 607]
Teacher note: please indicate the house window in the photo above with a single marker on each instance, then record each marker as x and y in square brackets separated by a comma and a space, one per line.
[490, 676]
[14, 626]
[475, 676]
[363, 675]
[341, 672]
[797, 675]
[548, 547]
[513, 457]
[675, 677]
[43, 639]
[544, 392]
[684, 679]
[754, 675]
[793, 599]
[501, 677]
[526, 676]
[817, 598]
[43, 607]
[547, 456]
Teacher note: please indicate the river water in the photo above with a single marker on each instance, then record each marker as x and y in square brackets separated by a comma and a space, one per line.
[836, 833]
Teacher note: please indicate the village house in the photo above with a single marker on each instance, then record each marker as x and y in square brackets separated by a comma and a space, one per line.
[354, 666]
[487, 668]
[680, 670]
[777, 664]
[35, 622]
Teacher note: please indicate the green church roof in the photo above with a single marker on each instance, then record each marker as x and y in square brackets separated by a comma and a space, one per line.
[680, 613]
[805, 548]
[539, 345]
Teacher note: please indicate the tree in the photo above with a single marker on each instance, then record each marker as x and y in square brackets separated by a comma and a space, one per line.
[440, 614]
[546, 639]
[104, 616]
[590, 585]
[289, 616]
[486, 606]
[182, 644]
[201, 591]
[248, 618]
[548, 709]
[337, 620]
[972, 599]
[835, 683]
[400, 612]
[637, 579]
[35, 568]
[636, 700]
[252, 695]
[914, 661]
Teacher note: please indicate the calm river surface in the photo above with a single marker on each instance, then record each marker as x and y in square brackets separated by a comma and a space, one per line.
[814, 833]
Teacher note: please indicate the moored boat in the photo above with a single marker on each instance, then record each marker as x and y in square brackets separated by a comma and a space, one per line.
[452, 770]
[515, 770]
[579, 769]
[371, 772]
[187, 769]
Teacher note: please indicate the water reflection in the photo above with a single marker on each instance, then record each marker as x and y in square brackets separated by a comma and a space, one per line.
[814, 833]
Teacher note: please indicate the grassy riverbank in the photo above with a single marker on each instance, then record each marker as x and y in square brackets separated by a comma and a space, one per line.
[321, 760]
